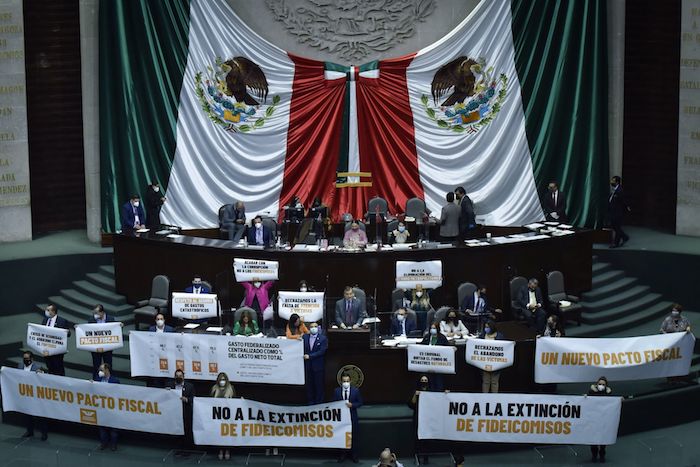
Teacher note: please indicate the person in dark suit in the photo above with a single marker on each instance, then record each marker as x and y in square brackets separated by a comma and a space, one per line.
[315, 347]
[160, 325]
[99, 316]
[449, 220]
[617, 207]
[348, 313]
[435, 337]
[601, 388]
[554, 204]
[258, 234]
[530, 301]
[402, 324]
[108, 436]
[197, 286]
[133, 217]
[52, 320]
[186, 391]
[234, 220]
[467, 216]
[353, 399]
[421, 445]
[154, 201]
[28, 364]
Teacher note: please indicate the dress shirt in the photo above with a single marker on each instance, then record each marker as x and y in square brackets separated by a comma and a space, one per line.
[533, 297]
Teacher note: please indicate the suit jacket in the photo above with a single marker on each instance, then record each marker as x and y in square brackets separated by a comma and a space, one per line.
[266, 234]
[112, 379]
[355, 398]
[449, 220]
[203, 289]
[35, 366]
[262, 292]
[128, 216]
[441, 339]
[617, 205]
[524, 297]
[60, 323]
[187, 391]
[108, 319]
[467, 217]
[499, 335]
[231, 215]
[317, 355]
[166, 328]
[396, 326]
[355, 312]
[550, 206]
[468, 303]
[153, 204]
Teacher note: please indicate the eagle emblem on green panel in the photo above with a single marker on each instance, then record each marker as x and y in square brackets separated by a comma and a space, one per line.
[233, 94]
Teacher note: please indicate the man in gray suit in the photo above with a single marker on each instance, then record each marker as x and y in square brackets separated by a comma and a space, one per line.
[234, 220]
[28, 364]
[348, 312]
[449, 220]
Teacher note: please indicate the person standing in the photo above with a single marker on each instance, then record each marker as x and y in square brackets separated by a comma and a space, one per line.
[600, 388]
[490, 379]
[617, 207]
[133, 217]
[353, 399]
[100, 316]
[675, 322]
[186, 391]
[449, 219]
[28, 364]
[435, 337]
[108, 436]
[315, 347]
[225, 390]
[554, 204]
[420, 446]
[234, 220]
[52, 320]
[467, 216]
[154, 201]
[257, 295]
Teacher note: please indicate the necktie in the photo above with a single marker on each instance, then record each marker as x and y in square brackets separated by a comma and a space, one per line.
[346, 395]
[348, 312]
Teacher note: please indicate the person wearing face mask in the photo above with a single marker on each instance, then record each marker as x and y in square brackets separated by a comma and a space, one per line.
[51, 319]
[452, 326]
[355, 237]
[223, 389]
[449, 220]
[554, 204]
[600, 388]
[315, 347]
[435, 337]
[617, 208]
[160, 325]
[400, 233]
[295, 328]
[154, 201]
[353, 399]
[186, 391]
[28, 364]
[100, 316]
[247, 325]
[259, 234]
[234, 220]
[133, 216]
[402, 324]
[421, 446]
[257, 294]
[490, 379]
[675, 322]
[197, 286]
[420, 303]
[552, 327]
[108, 436]
[304, 287]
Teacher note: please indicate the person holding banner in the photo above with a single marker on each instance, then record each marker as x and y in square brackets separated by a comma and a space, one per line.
[420, 445]
[295, 328]
[234, 220]
[99, 316]
[186, 391]
[246, 325]
[160, 325]
[490, 379]
[52, 320]
[223, 389]
[600, 388]
[28, 364]
[353, 399]
[420, 303]
[435, 337]
[108, 436]
[257, 295]
[315, 347]
[674, 322]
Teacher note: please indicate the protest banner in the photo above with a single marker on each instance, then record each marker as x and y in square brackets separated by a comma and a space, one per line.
[518, 418]
[489, 354]
[243, 422]
[123, 406]
[203, 356]
[47, 341]
[576, 360]
[99, 337]
[431, 358]
[308, 305]
[426, 273]
[194, 305]
[247, 270]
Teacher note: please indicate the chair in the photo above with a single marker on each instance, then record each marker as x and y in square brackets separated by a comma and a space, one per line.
[464, 290]
[375, 203]
[362, 297]
[158, 303]
[305, 232]
[557, 292]
[223, 232]
[517, 283]
[207, 284]
[396, 295]
[271, 224]
[237, 314]
[415, 207]
[435, 316]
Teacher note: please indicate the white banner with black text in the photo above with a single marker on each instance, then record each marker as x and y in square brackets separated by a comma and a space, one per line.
[46, 340]
[431, 358]
[411, 273]
[99, 337]
[194, 305]
[248, 270]
[308, 305]
[489, 354]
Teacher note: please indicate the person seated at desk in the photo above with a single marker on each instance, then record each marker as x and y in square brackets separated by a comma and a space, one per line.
[234, 220]
[295, 327]
[348, 314]
[451, 326]
[402, 324]
[476, 303]
[258, 234]
[197, 286]
[355, 237]
[400, 234]
[133, 216]
[434, 336]
[530, 301]
[160, 325]
[304, 287]
[246, 325]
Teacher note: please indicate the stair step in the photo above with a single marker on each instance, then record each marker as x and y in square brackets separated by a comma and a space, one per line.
[630, 307]
[101, 295]
[606, 278]
[623, 296]
[622, 324]
[599, 268]
[102, 280]
[107, 270]
[612, 288]
[89, 301]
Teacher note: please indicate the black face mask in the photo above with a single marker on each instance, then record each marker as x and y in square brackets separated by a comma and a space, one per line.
[424, 386]
[27, 362]
[180, 380]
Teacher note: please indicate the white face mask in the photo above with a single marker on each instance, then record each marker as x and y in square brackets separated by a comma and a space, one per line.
[258, 225]
[433, 331]
[156, 189]
[314, 330]
[101, 374]
[601, 387]
[136, 204]
[419, 294]
[222, 383]
[47, 313]
[400, 317]
[160, 323]
[402, 228]
[303, 289]
[257, 284]
[97, 316]
[346, 385]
